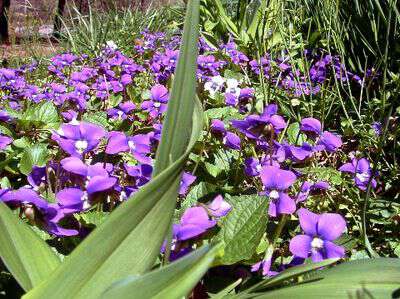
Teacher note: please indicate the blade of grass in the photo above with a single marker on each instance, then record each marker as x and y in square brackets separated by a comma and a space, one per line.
[173, 281]
[129, 241]
[26, 255]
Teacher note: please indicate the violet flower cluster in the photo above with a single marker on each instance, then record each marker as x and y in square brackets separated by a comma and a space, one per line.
[111, 109]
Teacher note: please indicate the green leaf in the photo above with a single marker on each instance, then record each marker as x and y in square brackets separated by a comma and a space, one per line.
[222, 113]
[43, 115]
[95, 217]
[197, 192]
[293, 134]
[290, 274]
[129, 241]
[375, 278]
[6, 131]
[175, 131]
[5, 183]
[325, 173]
[243, 228]
[173, 281]
[23, 142]
[36, 155]
[26, 255]
[97, 118]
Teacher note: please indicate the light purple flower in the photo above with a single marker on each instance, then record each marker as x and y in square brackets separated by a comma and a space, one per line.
[157, 104]
[377, 127]
[194, 222]
[361, 169]
[97, 177]
[138, 145]
[320, 232]
[307, 188]
[229, 139]
[253, 125]
[4, 141]
[265, 266]
[78, 139]
[330, 142]
[187, 180]
[311, 125]
[122, 111]
[276, 181]
[219, 207]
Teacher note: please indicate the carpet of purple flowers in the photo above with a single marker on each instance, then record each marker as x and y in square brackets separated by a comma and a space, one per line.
[79, 141]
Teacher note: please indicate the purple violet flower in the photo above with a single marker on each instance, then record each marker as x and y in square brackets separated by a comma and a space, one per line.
[138, 145]
[78, 139]
[276, 181]
[157, 104]
[194, 222]
[122, 111]
[253, 125]
[311, 125]
[320, 232]
[187, 180]
[330, 141]
[4, 141]
[219, 207]
[361, 169]
[229, 139]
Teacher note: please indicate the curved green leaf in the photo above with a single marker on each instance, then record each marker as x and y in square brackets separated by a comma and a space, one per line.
[129, 241]
[173, 281]
[26, 255]
[176, 126]
[375, 278]
[243, 228]
[290, 274]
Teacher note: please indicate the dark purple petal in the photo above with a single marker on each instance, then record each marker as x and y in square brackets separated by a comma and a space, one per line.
[330, 141]
[4, 141]
[117, 143]
[331, 226]
[274, 178]
[74, 165]
[100, 183]
[219, 207]
[91, 131]
[311, 125]
[70, 200]
[348, 167]
[285, 204]
[300, 246]
[333, 251]
[186, 181]
[308, 221]
[232, 141]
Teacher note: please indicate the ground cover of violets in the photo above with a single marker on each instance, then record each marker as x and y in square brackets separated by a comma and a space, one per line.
[79, 135]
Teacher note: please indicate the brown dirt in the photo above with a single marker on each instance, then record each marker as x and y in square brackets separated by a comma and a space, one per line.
[29, 17]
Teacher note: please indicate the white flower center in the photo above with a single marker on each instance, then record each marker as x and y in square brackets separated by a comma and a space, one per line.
[81, 145]
[363, 177]
[258, 167]
[157, 104]
[120, 113]
[131, 145]
[274, 194]
[317, 243]
[74, 121]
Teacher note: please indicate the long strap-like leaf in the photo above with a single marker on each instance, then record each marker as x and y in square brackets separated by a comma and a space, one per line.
[173, 281]
[374, 278]
[26, 255]
[129, 241]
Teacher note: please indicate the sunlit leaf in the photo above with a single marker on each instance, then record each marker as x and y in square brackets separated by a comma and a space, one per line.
[173, 281]
[26, 255]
